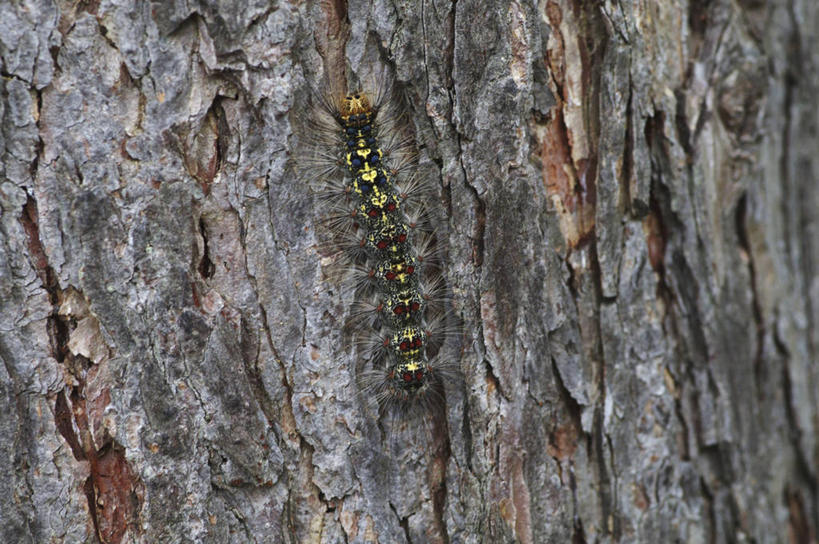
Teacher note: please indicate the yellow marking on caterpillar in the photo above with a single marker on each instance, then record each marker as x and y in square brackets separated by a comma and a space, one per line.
[359, 192]
[402, 277]
[379, 200]
[364, 168]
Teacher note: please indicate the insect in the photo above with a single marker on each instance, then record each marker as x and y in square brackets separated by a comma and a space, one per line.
[376, 219]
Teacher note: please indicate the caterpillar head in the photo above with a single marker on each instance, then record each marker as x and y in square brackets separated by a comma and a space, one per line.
[355, 109]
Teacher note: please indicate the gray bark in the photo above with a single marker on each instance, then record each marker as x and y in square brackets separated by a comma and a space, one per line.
[629, 204]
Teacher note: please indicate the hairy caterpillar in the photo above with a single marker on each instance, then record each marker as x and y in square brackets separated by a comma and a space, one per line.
[376, 219]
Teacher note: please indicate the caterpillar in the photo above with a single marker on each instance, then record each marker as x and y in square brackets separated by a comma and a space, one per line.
[361, 163]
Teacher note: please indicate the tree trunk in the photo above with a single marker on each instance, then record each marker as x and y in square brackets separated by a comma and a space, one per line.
[629, 194]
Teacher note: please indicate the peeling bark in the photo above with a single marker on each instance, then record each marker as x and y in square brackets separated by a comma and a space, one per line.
[627, 200]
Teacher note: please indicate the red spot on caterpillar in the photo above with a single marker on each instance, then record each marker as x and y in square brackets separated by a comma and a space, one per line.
[373, 213]
[407, 376]
[410, 269]
[419, 375]
[398, 310]
[404, 346]
[390, 275]
[415, 306]
[402, 238]
[391, 207]
[382, 244]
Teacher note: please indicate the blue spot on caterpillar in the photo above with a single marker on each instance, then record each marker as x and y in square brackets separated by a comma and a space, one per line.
[375, 210]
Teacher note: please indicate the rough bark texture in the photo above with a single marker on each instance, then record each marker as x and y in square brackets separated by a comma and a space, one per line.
[630, 202]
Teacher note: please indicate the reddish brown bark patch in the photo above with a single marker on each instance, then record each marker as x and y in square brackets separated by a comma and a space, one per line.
[799, 529]
[565, 194]
[567, 142]
[436, 476]
[563, 442]
[556, 159]
[29, 221]
[113, 490]
[203, 157]
[116, 497]
[655, 240]
[641, 499]
[331, 37]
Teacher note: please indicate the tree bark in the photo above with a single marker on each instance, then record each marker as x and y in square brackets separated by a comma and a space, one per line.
[629, 202]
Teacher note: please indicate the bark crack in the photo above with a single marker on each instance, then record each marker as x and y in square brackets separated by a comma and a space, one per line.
[113, 490]
[403, 522]
[744, 244]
